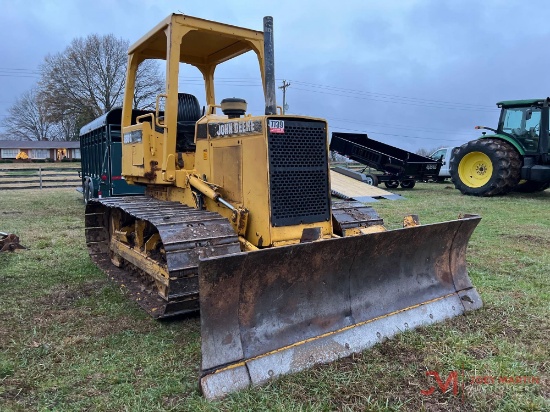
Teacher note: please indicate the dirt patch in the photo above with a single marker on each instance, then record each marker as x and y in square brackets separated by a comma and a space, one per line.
[60, 307]
[403, 353]
[482, 352]
[350, 362]
[16, 392]
[379, 392]
[65, 296]
[530, 239]
[82, 326]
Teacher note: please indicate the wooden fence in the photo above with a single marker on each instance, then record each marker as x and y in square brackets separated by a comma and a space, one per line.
[39, 178]
[55, 177]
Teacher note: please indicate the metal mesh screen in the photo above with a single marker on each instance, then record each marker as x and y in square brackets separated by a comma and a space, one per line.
[299, 187]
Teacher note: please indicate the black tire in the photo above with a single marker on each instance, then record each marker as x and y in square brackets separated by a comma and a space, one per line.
[392, 184]
[505, 162]
[88, 190]
[408, 184]
[84, 184]
[371, 180]
[530, 186]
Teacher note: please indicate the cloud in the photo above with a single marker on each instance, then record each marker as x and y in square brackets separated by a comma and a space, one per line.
[404, 59]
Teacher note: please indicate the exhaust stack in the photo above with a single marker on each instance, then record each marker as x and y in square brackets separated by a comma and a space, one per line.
[269, 59]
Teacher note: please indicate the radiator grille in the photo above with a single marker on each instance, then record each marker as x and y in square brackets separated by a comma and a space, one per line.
[299, 188]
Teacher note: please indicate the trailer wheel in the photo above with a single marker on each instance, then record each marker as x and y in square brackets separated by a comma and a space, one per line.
[392, 184]
[530, 186]
[485, 167]
[408, 184]
[371, 180]
[88, 190]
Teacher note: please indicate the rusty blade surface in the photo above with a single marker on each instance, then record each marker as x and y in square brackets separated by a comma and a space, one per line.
[263, 304]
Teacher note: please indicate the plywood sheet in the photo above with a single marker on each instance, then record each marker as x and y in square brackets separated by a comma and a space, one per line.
[350, 188]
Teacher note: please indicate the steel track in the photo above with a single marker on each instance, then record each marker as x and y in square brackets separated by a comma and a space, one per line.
[187, 235]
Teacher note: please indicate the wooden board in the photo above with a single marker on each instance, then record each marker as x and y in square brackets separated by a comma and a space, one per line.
[350, 188]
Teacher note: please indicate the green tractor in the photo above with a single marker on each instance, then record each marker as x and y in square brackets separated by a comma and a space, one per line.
[515, 157]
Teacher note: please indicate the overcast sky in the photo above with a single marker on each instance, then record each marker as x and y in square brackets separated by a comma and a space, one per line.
[412, 73]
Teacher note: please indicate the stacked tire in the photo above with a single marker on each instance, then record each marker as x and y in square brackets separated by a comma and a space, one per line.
[486, 167]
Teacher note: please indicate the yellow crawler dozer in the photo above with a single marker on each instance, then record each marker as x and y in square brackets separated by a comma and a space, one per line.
[237, 220]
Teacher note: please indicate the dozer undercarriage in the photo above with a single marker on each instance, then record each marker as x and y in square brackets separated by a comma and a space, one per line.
[237, 222]
[158, 244]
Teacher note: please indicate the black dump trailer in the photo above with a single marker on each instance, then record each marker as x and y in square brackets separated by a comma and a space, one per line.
[101, 157]
[399, 167]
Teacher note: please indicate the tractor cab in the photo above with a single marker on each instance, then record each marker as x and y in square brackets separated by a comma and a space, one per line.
[522, 121]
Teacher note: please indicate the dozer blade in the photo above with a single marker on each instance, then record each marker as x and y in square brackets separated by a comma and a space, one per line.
[281, 310]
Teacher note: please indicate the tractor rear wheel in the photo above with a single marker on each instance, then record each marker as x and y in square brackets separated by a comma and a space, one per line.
[530, 186]
[485, 167]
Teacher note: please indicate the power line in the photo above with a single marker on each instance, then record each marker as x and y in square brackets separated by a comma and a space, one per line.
[386, 125]
[20, 75]
[307, 87]
[357, 94]
[376, 94]
[397, 101]
[394, 126]
[18, 72]
[391, 134]
[371, 132]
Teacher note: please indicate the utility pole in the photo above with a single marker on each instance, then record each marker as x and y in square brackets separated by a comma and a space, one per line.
[283, 88]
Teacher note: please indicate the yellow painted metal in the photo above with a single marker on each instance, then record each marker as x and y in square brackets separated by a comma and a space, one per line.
[246, 245]
[183, 39]
[170, 168]
[203, 187]
[122, 233]
[121, 236]
[411, 221]
[139, 234]
[239, 220]
[237, 165]
[360, 230]
[372, 229]
[158, 272]
[475, 169]
[152, 243]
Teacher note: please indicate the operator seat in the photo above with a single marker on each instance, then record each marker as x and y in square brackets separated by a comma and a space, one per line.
[189, 111]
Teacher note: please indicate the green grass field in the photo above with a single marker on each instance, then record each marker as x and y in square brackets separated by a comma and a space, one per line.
[70, 340]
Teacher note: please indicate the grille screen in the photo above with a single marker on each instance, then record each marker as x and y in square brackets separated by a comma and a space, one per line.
[299, 173]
